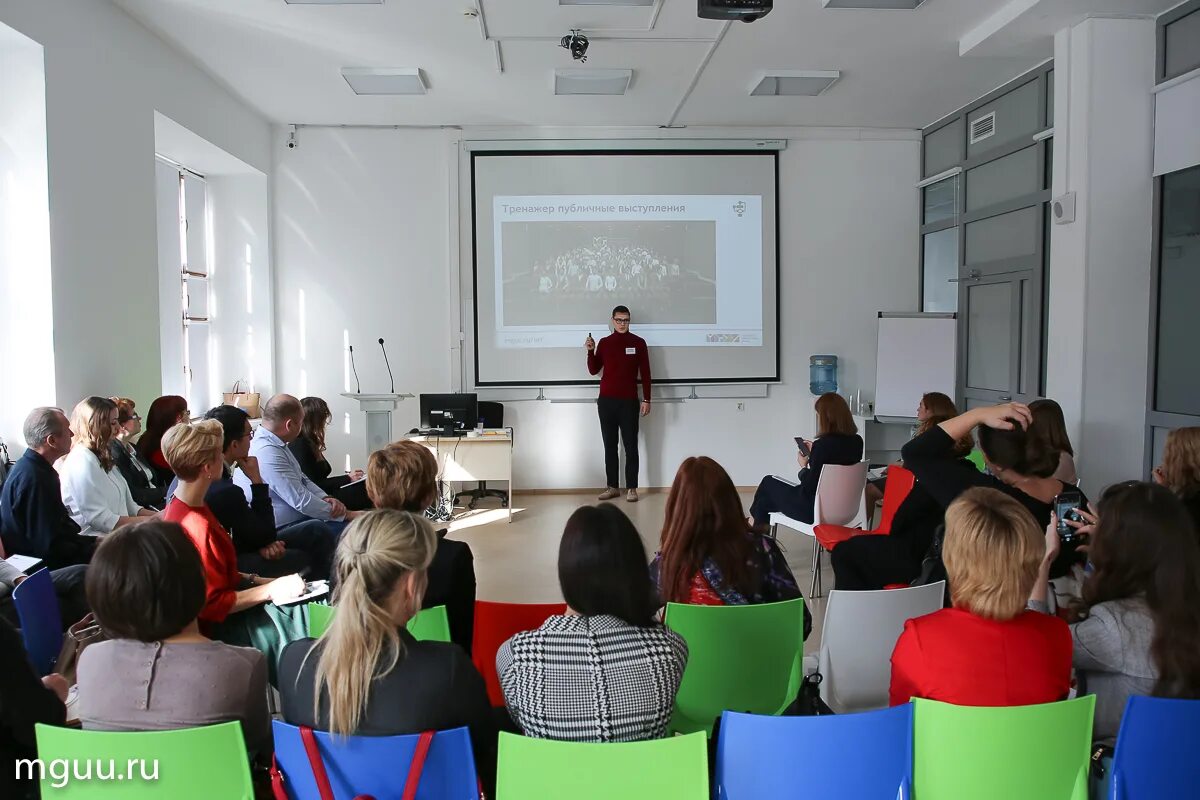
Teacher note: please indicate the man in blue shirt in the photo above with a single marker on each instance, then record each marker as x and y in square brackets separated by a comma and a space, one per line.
[294, 497]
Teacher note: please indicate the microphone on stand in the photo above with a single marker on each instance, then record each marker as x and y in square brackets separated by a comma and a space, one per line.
[389, 366]
[354, 369]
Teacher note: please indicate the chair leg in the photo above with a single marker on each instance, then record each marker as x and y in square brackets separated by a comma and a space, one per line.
[815, 588]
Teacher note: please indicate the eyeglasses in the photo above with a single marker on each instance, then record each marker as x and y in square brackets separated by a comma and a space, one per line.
[135, 417]
[621, 320]
[248, 434]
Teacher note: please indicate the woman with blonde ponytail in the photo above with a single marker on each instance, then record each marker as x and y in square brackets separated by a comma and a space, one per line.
[367, 676]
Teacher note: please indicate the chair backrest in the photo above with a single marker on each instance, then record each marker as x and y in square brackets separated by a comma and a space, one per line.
[899, 483]
[860, 632]
[1000, 753]
[676, 767]
[849, 756]
[377, 766]
[429, 625]
[740, 658]
[839, 499]
[1156, 749]
[492, 413]
[41, 622]
[496, 623]
[184, 764]
[976, 458]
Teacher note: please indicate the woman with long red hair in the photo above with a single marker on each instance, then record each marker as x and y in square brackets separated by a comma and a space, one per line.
[165, 413]
[709, 555]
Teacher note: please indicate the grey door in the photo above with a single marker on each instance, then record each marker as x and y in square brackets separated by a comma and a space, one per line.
[999, 326]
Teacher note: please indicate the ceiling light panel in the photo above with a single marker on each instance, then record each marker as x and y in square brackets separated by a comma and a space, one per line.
[639, 3]
[904, 5]
[794, 83]
[369, 80]
[592, 81]
[334, 2]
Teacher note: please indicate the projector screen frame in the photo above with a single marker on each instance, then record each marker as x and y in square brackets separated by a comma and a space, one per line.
[503, 152]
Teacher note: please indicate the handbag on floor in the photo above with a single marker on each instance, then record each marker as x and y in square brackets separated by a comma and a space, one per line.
[322, 778]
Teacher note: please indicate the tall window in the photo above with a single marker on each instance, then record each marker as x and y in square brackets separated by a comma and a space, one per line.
[183, 238]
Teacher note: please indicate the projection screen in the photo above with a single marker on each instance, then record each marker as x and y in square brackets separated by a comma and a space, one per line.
[686, 239]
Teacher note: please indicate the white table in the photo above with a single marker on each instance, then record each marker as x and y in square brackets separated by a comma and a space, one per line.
[471, 459]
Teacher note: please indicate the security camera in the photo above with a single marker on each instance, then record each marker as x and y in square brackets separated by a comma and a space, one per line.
[291, 142]
[577, 43]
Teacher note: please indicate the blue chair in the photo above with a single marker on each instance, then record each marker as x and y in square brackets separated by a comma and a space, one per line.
[864, 756]
[41, 622]
[377, 765]
[1156, 749]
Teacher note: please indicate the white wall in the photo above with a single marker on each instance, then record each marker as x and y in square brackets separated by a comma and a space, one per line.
[363, 225]
[1100, 264]
[26, 346]
[105, 76]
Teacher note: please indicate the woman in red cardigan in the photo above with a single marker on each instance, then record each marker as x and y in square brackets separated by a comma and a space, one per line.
[987, 650]
[239, 609]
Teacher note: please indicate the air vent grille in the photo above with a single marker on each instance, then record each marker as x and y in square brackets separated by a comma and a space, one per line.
[983, 128]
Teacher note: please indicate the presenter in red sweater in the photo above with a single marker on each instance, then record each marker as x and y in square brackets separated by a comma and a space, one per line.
[622, 357]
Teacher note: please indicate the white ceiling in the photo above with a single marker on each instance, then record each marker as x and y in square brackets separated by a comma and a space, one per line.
[899, 68]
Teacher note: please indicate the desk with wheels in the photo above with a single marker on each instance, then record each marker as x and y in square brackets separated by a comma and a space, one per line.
[469, 459]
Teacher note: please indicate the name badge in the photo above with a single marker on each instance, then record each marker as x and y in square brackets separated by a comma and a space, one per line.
[631, 351]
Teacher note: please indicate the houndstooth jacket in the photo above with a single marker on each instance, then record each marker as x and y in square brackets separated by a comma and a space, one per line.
[592, 679]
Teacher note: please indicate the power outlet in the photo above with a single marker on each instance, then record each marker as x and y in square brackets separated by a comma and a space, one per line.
[741, 406]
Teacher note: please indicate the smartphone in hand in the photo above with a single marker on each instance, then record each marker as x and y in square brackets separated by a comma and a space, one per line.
[1066, 507]
[803, 445]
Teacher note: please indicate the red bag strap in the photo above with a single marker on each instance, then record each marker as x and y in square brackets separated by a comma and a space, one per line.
[417, 766]
[315, 762]
[277, 789]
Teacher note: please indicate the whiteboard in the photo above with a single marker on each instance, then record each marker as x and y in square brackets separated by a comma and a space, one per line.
[917, 353]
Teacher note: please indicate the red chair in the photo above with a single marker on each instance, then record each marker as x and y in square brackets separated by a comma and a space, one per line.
[899, 484]
[495, 623]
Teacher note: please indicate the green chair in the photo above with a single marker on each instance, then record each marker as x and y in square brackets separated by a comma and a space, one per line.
[429, 625]
[740, 658]
[1031, 752]
[185, 764]
[676, 767]
[976, 458]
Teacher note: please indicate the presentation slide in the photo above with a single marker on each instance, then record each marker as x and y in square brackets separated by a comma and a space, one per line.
[688, 246]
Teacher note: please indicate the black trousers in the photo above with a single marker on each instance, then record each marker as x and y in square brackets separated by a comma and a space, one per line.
[619, 416]
[871, 562]
[775, 495]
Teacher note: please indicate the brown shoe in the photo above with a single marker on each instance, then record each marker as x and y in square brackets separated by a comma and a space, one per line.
[609, 494]
[631, 496]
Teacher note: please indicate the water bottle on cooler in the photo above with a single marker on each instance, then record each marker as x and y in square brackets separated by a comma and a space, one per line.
[822, 374]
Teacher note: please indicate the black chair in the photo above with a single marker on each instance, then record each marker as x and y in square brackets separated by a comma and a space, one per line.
[492, 414]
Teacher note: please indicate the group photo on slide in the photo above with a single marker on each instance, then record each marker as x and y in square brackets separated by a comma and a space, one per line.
[561, 272]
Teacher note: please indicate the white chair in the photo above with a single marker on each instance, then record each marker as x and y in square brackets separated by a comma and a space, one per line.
[840, 500]
[860, 632]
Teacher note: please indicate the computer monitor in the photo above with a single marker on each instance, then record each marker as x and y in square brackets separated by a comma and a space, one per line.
[449, 411]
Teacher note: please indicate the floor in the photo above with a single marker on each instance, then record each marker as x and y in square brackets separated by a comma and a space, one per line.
[517, 562]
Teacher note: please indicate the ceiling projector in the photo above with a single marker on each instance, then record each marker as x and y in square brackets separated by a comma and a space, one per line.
[745, 10]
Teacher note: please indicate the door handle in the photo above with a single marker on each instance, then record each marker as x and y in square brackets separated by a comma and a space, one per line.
[973, 275]
[1006, 397]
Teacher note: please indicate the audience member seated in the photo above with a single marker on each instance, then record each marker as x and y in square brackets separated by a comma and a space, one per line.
[309, 450]
[1137, 627]
[1021, 462]
[140, 476]
[94, 492]
[709, 555]
[931, 404]
[239, 609]
[987, 650]
[165, 412]
[303, 547]
[1180, 469]
[608, 637]
[873, 562]
[403, 476]
[33, 519]
[371, 676]
[1049, 424]
[25, 700]
[68, 586]
[157, 671]
[294, 497]
[837, 442]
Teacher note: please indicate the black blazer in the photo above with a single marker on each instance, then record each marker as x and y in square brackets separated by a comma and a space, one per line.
[145, 493]
[434, 686]
[842, 449]
[315, 468]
